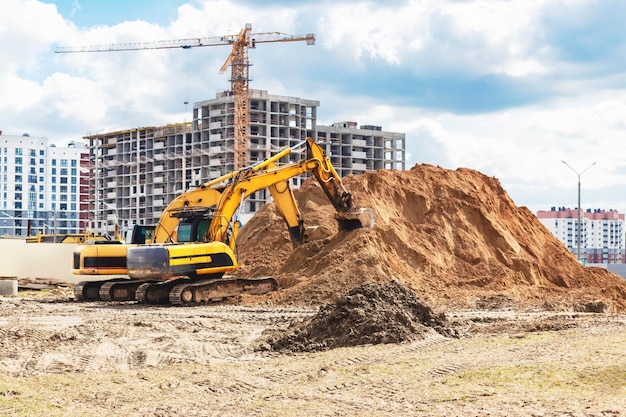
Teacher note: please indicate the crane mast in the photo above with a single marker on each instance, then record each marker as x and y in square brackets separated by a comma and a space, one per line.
[237, 60]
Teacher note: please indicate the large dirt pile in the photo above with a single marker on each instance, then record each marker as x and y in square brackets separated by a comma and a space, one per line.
[368, 314]
[453, 236]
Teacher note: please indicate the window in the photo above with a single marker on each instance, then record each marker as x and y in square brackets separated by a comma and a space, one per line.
[19, 151]
[18, 160]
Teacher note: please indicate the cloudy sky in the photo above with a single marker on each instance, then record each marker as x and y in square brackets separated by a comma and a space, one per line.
[510, 88]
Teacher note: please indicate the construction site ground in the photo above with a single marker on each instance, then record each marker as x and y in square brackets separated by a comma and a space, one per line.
[456, 303]
[99, 359]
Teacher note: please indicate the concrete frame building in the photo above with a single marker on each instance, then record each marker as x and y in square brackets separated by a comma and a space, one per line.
[602, 233]
[355, 150]
[137, 172]
[44, 188]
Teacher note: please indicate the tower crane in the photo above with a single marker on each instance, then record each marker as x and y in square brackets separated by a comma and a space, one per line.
[237, 60]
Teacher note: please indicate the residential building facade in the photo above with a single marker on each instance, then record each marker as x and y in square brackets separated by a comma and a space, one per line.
[601, 233]
[43, 187]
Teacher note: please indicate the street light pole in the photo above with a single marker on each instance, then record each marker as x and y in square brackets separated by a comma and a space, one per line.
[579, 208]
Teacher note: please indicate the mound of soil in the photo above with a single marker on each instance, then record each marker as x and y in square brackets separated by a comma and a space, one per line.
[455, 237]
[368, 314]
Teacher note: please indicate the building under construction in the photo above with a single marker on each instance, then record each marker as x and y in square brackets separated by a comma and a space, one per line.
[137, 172]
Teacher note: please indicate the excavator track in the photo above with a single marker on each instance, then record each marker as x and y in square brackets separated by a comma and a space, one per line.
[157, 292]
[120, 290]
[201, 292]
[90, 290]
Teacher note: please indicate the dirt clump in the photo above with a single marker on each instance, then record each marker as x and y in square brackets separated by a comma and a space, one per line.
[368, 314]
[455, 237]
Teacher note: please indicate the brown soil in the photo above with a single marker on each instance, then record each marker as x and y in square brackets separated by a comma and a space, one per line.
[454, 237]
[369, 314]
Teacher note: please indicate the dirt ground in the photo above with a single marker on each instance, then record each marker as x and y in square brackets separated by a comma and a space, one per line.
[457, 303]
[100, 359]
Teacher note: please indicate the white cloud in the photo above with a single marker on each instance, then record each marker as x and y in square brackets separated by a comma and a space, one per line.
[577, 117]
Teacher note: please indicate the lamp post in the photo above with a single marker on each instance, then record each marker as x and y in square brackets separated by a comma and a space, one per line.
[579, 208]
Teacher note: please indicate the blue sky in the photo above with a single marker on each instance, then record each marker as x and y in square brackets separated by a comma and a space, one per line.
[510, 88]
[88, 13]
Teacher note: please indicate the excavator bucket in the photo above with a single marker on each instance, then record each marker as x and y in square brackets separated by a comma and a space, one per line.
[356, 218]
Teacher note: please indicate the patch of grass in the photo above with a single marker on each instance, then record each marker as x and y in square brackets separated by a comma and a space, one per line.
[546, 380]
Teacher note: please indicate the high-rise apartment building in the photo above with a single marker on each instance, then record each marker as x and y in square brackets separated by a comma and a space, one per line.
[42, 186]
[137, 172]
[355, 150]
[601, 232]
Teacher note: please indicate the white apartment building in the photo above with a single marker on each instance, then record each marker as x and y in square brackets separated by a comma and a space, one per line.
[137, 172]
[601, 233]
[42, 186]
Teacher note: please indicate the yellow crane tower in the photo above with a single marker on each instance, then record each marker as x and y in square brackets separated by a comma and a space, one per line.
[237, 60]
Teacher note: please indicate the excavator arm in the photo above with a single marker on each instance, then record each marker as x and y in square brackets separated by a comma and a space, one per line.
[275, 178]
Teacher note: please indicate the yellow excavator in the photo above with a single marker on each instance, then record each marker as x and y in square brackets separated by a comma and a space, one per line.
[184, 258]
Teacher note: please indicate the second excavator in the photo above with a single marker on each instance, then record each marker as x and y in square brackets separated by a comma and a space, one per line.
[184, 259]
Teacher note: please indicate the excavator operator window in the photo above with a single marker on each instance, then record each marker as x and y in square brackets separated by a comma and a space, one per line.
[193, 230]
[184, 232]
[203, 228]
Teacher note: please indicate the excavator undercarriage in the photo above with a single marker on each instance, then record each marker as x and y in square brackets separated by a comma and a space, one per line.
[176, 291]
